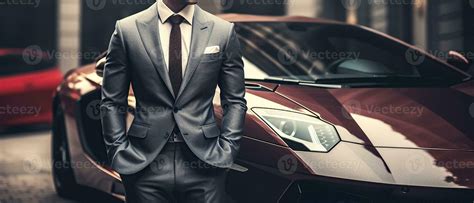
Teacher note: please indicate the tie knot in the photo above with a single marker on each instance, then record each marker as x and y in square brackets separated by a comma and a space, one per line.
[176, 19]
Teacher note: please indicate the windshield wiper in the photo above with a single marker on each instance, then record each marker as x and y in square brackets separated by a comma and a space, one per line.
[321, 85]
[385, 81]
[286, 80]
[375, 78]
[344, 81]
[302, 82]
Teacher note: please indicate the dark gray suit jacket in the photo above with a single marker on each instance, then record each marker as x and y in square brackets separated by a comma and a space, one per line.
[135, 57]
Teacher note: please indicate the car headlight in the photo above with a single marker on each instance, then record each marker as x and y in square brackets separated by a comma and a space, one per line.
[310, 131]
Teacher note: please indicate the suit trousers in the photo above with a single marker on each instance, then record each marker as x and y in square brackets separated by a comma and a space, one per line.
[176, 175]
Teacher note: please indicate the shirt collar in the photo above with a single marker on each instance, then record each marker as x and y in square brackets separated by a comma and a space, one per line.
[164, 12]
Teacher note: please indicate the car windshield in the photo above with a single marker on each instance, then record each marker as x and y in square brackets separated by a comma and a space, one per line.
[336, 54]
[17, 64]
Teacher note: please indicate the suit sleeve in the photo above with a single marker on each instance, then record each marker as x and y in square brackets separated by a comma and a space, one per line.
[115, 89]
[232, 94]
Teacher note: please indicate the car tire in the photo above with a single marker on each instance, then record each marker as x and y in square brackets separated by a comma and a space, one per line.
[63, 174]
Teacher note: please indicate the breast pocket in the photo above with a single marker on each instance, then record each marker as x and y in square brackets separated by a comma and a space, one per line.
[210, 66]
[210, 58]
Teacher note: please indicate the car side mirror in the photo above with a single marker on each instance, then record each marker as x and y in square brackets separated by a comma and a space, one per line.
[458, 60]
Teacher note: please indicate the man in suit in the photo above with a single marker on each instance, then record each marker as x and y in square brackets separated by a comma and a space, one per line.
[174, 55]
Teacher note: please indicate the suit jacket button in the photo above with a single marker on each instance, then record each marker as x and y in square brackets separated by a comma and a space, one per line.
[175, 109]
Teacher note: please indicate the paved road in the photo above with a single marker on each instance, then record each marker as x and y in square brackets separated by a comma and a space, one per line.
[25, 169]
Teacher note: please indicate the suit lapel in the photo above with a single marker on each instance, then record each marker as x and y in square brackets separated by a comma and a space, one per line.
[149, 33]
[201, 32]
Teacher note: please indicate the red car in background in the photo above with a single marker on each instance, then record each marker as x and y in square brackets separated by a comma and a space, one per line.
[28, 78]
[337, 113]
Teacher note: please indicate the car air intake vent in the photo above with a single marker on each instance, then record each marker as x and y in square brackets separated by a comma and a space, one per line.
[254, 86]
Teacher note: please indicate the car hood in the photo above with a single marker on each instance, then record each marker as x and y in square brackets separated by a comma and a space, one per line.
[412, 118]
[394, 166]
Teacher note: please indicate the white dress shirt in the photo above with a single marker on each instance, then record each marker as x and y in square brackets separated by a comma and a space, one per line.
[165, 30]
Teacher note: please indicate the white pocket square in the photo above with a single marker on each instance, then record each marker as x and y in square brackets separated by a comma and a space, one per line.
[212, 50]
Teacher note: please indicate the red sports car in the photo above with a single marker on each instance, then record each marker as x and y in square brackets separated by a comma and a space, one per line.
[337, 113]
[28, 79]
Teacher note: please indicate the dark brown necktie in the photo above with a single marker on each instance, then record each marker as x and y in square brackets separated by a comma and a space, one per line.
[175, 55]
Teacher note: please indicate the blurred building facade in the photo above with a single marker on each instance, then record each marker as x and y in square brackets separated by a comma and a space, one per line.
[80, 30]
